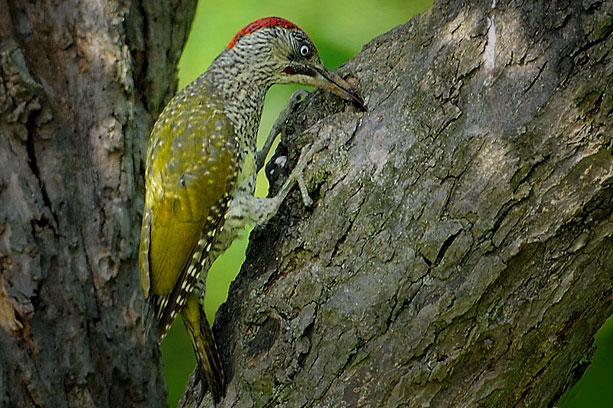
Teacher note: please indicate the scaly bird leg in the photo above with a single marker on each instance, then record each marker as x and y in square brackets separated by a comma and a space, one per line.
[265, 208]
[295, 99]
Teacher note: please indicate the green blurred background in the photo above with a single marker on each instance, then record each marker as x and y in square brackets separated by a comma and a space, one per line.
[339, 30]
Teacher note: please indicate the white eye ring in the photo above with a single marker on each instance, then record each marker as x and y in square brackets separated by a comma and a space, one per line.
[305, 50]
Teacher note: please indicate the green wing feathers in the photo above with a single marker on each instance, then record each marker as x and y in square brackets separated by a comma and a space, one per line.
[191, 169]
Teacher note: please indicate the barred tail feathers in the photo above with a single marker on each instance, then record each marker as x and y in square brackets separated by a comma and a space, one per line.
[210, 369]
[165, 308]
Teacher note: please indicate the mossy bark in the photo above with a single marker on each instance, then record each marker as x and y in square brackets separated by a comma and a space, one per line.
[79, 85]
[460, 249]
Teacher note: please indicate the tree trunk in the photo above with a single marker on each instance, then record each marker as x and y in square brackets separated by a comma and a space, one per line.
[460, 249]
[79, 85]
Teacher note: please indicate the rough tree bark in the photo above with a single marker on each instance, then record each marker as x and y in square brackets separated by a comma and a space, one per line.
[460, 251]
[79, 85]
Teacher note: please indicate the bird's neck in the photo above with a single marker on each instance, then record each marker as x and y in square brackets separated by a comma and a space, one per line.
[243, 93]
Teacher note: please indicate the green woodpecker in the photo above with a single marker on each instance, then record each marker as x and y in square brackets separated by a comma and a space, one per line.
[201, 171]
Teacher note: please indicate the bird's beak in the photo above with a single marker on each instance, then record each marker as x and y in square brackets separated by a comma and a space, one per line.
[333, 82]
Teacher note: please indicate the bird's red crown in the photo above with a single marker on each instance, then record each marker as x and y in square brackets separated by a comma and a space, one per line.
[265, 22]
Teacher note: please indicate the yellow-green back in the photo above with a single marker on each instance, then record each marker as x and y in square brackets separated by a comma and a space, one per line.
[191, 164]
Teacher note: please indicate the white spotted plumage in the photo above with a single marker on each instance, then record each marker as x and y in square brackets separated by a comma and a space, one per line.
[204, 144]
[167, 307]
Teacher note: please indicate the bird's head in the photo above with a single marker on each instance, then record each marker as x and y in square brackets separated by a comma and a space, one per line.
[282, 53]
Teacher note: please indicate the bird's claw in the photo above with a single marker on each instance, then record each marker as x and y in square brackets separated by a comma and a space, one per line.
[297, 175]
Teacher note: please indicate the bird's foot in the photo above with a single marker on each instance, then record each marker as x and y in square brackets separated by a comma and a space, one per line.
[297, 174]
[263, 209]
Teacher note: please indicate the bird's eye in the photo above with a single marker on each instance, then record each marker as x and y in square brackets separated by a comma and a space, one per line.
[305, 50]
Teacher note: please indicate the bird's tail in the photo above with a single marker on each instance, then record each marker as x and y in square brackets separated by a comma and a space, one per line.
[209, 370]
